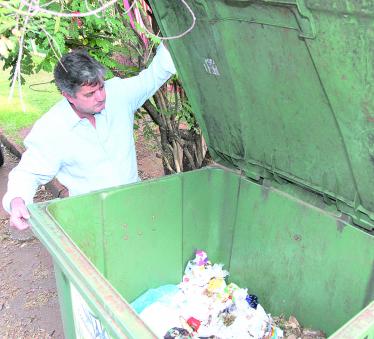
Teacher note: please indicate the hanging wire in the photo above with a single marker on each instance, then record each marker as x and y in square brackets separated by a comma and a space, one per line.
[39, 84]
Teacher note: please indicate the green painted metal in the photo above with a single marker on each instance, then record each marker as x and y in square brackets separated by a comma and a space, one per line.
[284, 89]
[298, 254]
[63, 288]
[360, 327]
[74, 267]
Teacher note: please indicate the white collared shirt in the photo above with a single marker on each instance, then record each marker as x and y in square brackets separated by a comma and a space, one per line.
[81, 157]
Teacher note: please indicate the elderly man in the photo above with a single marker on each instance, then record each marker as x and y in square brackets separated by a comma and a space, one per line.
[86, 139]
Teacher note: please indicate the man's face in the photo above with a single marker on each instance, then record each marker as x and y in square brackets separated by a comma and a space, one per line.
[88, 99]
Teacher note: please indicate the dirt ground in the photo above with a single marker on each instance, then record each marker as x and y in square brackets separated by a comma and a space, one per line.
[28, 300]
[29, 305]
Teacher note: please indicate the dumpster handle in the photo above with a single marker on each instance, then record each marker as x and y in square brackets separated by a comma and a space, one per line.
[303, 11]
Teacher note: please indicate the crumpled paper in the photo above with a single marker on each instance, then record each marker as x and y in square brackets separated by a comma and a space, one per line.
[207, 307]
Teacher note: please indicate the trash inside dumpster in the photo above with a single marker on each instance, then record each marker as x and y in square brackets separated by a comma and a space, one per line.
[203, 305]
[283, 94]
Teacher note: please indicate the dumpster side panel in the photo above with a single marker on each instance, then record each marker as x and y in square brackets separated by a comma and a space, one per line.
[81, 219]
[359, 327]
[192, 211]
[64, 297]
[74, 269]
[143, 236]
[210, 200]
[300, 259]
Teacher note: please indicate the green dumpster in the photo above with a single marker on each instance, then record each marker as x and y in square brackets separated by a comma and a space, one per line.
[284, 93]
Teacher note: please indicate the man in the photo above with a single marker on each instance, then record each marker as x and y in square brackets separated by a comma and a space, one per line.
[86, 139]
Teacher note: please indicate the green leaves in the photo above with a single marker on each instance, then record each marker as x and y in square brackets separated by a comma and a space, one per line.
[105, 45]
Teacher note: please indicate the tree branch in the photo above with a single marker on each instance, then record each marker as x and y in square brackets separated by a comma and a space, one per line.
[189, 157]
[152, 111]
[164, 157]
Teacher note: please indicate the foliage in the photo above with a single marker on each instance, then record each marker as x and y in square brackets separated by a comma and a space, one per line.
[113, 41]
[101, 36]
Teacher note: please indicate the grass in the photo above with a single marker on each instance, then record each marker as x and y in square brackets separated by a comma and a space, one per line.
[12, 118]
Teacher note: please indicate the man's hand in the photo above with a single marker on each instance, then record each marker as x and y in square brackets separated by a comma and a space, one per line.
[19, 214]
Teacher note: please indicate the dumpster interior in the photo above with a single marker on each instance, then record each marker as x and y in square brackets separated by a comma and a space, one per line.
[296, 255]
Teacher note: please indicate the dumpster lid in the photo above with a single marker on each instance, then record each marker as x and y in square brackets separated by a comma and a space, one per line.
[281, 90]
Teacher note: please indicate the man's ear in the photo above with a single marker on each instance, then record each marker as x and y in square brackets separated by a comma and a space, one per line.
[67, 96]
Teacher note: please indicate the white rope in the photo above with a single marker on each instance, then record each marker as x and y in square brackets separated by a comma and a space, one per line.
[38, 9]
[89, 9]
[20, 90]
[17, 70]
[181, 34]
[48, 3]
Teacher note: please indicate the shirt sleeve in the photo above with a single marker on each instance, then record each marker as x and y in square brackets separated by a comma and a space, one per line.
[144, 85]
[38, 165]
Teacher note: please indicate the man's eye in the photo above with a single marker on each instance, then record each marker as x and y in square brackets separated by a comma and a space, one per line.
[89, 95]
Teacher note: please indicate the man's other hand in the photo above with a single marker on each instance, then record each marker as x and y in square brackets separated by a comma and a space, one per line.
[19, 214]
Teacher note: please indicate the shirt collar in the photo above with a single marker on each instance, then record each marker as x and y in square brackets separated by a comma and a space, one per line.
[71, 117]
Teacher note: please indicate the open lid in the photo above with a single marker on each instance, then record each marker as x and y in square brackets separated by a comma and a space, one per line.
[283, 89]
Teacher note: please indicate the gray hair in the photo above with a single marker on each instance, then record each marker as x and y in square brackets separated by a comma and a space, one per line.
[76, 69]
